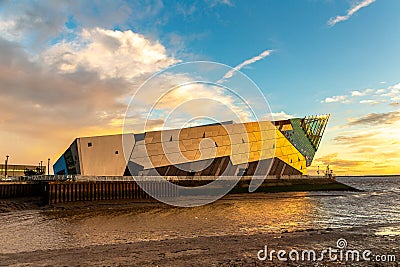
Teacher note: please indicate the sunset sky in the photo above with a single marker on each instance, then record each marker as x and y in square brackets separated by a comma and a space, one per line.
[68, 69]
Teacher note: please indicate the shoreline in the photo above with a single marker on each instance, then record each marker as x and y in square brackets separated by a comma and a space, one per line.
[229, 250]
[192, 246]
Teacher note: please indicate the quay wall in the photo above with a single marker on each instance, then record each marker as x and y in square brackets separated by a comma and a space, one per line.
[20, 189]
[59, 189]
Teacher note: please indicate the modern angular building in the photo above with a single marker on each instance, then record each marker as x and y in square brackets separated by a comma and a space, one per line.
[284, 147]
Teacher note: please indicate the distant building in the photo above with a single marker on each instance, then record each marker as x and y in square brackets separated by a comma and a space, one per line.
[284, 147]
[20, 170]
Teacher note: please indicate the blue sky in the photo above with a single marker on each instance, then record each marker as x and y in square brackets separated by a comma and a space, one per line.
[61, 60]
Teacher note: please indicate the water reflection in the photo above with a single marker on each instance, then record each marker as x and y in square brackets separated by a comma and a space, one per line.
[390, 231]
[291, 211]
[30, 230]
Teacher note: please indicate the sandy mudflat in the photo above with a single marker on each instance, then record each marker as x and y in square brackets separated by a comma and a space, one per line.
[228, 232]
[239, 250]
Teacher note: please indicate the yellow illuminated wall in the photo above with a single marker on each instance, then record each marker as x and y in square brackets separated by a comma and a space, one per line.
[243, 143]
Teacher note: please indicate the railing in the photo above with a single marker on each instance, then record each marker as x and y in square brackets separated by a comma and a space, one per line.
[90, 178]
[50, 178]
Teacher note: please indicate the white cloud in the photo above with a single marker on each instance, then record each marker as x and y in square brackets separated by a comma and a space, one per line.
[252, 60]
[369, 96]
[350, 12]
[281, 116]
[333, 99]
[111, 54]
[395, 87]
[79, 86]
[197, 100]
[356, 93]
[393, 92]
[39, 23]
[129, 57]
[213, 3]
[35, 22]
[178, 98]
[363, 93]
[7, 30]
[369, 101]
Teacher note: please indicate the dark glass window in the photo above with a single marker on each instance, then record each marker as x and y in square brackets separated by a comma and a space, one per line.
[116, 152]
[89, 144]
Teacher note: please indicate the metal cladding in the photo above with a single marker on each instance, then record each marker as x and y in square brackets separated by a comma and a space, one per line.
[283, 147]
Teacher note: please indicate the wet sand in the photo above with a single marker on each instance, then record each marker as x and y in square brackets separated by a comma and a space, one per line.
[233, 250]
[228, 232]
[218, 250]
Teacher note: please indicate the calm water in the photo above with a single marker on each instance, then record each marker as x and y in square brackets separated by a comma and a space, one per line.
[379, 204]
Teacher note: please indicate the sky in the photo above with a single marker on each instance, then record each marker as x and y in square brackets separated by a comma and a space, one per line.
[69, 69]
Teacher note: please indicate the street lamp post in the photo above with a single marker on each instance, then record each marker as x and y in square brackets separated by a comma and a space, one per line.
[41, 167]
[48, 166]
[5, 167]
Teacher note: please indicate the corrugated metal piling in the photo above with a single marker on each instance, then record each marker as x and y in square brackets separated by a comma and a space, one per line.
[59, 192]
[19, 189]
[60, 189]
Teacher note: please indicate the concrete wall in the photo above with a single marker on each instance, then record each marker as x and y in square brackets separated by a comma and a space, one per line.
[104, 154]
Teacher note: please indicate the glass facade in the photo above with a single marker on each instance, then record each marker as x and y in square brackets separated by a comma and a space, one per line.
[68, 163]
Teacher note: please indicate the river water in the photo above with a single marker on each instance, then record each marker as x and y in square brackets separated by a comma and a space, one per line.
[77, 225]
